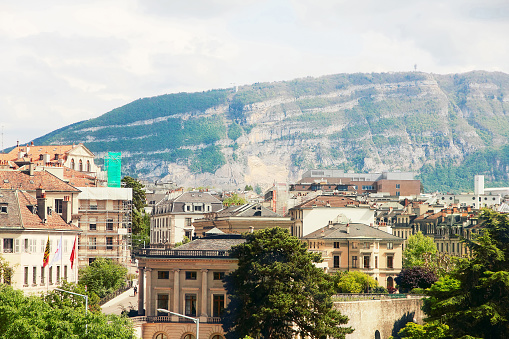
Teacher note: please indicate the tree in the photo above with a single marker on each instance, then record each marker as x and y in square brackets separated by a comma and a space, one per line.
[433, 330]
[473, 299]
[248, 188]
[234, 200]
[32, 317]
[417, 245]
[415, 277]
[140, 220]
[6, 271]
[103, 276]
[278, 292]
[355, 282]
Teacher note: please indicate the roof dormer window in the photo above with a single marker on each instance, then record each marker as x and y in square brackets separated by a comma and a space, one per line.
[3, 207]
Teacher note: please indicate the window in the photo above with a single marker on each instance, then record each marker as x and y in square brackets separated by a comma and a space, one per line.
[34, 275]
[366, 261]
[163, 274]
[217, 336]
[218, 275]
[93, 227]
[354, 261]
[8, 245]
[336, 261]
[354, 245]
[366, 245]
[188, 221]
[398, 193]
[92, 242]
[191, 305]
[218, 305]
[109, 225]
[398, 186]
[190, 275]
[72, 164]
[65, 272]
[336, 244]
[25, 276]
[58, 274]
[58, 205]
[90, 260]
[81, 166]
[3, 208]
[189, 336]
[162, 302]
[109, 243]
[376, 261]
[26, 246]
[390, 261]
[197, 208]
[367, 187]
[160, 336]
[50, 275]
[390, 246]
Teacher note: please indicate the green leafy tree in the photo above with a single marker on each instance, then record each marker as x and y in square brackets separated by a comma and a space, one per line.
[248, 188]
[355, 282]
[234, 200]
[103, 276]
[61, 299]
[278, 292]
[6, 271]
[140, 220]
[433, 330]
[473, 300]
[33, 317]
[417, 245]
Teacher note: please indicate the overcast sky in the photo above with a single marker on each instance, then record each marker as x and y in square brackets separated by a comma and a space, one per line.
[65, 61]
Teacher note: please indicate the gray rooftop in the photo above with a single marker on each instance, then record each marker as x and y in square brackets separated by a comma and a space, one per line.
[357, 231]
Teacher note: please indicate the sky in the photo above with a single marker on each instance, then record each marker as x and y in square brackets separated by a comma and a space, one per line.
[64, 61]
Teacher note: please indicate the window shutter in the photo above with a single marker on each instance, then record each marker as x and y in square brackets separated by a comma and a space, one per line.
[23, 245]
[16, 247]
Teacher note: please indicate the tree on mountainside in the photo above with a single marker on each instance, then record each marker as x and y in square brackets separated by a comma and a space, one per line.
[278, 292]
[473, 300]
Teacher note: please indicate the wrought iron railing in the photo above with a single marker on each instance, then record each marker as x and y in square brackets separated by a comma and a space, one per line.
[167, 253]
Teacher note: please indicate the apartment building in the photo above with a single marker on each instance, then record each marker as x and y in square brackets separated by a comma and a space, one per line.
[27, 223]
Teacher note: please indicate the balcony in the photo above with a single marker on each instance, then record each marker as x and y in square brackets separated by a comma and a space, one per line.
[166, 253]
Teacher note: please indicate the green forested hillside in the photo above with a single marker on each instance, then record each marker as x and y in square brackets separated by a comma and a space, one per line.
[447, 128]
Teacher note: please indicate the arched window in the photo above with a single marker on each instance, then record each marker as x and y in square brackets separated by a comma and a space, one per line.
[390, 282]
[81, 166]
[189, 336]
[160, 335]
[88, 166]
[217, 336]
[73, 166]
[377, 334]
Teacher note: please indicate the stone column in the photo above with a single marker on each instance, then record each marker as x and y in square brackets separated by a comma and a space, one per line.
[204, 283]
[149, 311]
[141, 291]
[176, 291]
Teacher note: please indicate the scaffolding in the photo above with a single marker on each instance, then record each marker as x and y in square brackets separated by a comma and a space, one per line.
[105, 221]
[113, 165]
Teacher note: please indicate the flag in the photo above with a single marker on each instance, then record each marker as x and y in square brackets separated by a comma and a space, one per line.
[58, 252]
[73, 253]
[45, 260]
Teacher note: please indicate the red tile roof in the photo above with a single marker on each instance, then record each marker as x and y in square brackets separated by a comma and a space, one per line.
[40, 179]
[328, 200]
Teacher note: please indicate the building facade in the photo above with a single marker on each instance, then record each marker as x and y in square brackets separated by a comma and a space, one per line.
[357, 247]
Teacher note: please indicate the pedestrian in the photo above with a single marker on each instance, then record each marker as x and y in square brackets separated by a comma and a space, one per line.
[135, 290]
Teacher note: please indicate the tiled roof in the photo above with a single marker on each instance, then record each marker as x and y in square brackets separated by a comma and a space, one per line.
[79, 179]
[247, 210]
[191, 197]
[357, 231]
[40, 179]
[328, 200]
[20, 217]
[33, 152]
[214, 243]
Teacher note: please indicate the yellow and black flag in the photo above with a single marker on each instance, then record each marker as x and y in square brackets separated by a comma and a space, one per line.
[45, 260]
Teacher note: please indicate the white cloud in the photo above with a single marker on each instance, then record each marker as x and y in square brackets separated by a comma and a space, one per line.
[64, 61]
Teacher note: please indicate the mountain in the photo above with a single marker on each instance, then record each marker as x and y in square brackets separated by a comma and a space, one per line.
[445, 127]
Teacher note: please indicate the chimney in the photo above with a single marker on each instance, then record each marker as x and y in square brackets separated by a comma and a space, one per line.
[347, 228]
[66, 209]
[42, 212]
[330, 224]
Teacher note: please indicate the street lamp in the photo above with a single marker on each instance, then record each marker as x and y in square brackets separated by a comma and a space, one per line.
[195, 320]
[86, 302]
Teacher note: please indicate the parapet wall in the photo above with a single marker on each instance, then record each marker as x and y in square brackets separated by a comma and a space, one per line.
[380, 319]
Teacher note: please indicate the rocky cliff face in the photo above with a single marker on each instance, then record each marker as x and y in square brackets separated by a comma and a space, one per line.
[273, 132]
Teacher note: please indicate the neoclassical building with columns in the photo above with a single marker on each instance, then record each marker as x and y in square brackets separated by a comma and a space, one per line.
[187, 280]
